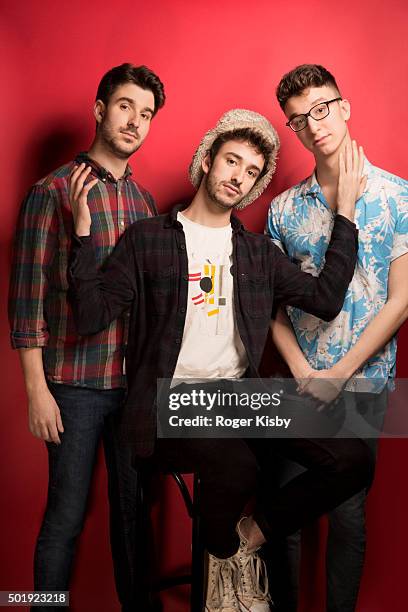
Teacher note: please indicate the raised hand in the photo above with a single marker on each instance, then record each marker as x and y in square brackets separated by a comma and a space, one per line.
[351, 183]
[78, 191]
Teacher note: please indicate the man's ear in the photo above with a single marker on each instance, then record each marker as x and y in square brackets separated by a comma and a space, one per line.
[345, 109]
[99, 110]
[206, 163]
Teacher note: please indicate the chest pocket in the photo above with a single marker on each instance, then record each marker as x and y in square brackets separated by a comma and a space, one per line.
[257, 295]
[160, 288]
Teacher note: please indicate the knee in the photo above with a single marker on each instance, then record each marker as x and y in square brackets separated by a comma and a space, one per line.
[238, 473]
[347, 521]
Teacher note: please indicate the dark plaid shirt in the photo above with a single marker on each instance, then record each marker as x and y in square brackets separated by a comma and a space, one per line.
[148, 273]
[40, 315]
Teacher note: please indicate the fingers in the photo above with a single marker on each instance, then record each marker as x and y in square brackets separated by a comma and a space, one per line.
[60, 426]
[349, 158]
[363, 185]
[342, 165]
[53, 433]
[86, 189]
[360, 161]
[73, 178]
[48, 430]
[76, 182]
[79, 182]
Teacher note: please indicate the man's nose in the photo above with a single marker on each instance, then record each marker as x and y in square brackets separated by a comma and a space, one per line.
[313, 125]
[134, 119]
[237, 175]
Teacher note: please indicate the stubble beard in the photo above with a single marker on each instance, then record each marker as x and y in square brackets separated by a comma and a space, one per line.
[211, 190]
[110, 140]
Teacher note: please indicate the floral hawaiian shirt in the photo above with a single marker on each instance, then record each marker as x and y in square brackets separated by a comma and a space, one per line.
[300, 222]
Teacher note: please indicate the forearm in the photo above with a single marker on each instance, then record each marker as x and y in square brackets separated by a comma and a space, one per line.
[375, 336]
[99, 297]
[33, 369]
[286, 342]
[322, 296]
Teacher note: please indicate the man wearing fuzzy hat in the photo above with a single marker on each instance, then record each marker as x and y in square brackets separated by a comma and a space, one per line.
[201, 290]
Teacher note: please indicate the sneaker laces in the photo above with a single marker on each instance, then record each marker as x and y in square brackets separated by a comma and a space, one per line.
[253, 579]
[223, 580]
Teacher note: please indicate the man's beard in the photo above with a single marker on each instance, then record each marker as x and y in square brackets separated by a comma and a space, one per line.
[110, 140]
[211, 185]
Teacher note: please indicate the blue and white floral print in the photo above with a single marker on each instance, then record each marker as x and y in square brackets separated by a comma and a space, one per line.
[300, 222]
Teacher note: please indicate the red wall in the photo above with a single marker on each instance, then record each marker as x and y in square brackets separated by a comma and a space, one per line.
[212, 57]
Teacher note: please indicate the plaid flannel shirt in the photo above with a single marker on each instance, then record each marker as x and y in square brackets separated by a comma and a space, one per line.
[39, 313]
[148, 273]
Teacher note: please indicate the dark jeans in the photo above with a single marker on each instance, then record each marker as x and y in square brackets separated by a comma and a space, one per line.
[233, 470]
[346, 536]
[87, 416]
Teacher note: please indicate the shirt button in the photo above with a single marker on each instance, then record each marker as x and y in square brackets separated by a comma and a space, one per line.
[183, 247]
[182, 310]
[185, 277]
[122, 224]
[178, 340]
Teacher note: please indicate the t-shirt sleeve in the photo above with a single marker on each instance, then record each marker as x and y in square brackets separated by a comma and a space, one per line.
[273, 224]
[400, 244]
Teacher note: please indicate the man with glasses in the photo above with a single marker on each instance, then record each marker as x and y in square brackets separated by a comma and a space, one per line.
[357, 350]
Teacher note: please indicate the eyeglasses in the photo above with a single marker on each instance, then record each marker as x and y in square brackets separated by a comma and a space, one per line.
[318, 112]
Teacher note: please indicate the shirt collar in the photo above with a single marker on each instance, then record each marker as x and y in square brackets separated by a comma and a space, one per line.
[99, 170]
[171, 219]
[312, 188]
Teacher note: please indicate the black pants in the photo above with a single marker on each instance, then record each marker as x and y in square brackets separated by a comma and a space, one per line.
[346, 524]
[234, 470]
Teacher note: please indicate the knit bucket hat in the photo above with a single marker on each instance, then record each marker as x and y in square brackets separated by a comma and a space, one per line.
[235, 119]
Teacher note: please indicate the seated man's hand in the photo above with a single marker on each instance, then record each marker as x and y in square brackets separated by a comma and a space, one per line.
[78, 191]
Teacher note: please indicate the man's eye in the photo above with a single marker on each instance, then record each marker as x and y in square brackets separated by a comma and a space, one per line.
[124, 106]
[298, 121]
[231, 161]
[252, 174]
[319, 110]
[145, 116]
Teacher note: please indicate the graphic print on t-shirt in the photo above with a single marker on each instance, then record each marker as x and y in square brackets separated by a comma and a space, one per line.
[208, 292]
[211, 345]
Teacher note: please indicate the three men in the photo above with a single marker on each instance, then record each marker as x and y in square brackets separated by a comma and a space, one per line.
[182, 325]
[75, 384]
[358, 348]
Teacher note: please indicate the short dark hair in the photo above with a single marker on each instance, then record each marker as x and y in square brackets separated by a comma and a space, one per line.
[302, 77]
[244, 135]
[128, 73]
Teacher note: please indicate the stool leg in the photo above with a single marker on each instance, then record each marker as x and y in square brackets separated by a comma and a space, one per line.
[197, 599]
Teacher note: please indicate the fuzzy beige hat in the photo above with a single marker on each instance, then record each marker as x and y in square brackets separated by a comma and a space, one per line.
[239, 118]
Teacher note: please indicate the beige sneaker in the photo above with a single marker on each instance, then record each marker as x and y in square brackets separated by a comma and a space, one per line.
[252, 587]
[221, 585]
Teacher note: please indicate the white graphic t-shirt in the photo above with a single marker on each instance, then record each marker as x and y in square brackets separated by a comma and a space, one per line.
[211, 346]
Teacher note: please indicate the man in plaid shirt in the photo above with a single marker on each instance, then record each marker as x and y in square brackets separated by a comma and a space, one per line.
[74, 384]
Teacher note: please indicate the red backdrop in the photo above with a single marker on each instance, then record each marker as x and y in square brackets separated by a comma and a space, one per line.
[211, 57]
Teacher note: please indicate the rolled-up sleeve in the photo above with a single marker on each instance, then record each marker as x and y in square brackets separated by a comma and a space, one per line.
[34, 248]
